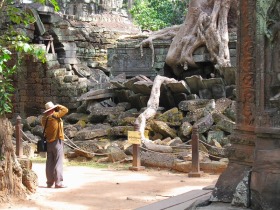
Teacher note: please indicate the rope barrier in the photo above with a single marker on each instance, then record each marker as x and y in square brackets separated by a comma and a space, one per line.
[72, 145]
[78, 148]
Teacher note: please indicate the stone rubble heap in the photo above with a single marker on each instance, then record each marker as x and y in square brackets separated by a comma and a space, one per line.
[100, 124]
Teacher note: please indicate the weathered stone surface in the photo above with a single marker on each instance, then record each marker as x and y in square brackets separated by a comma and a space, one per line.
[209, 83]
[99, 114]
[226, 124]
[217, 135]
[87, 148]
[71, 130]
[230, 112]
[71, 78]
[126, 121]
[242, 194]
[218, 91]
[143, 87]
[222, 104]
[179, 87]
[185, 129]
[265, 174]
[215, 167]
[194, 116]
[82, 70]
[163, 129]
[204, 124]
[130, 82]
[195, 83]
[228, 181]
[172, 117]
[120, 130]
[205, 94]
[97, 94]
[192, 105]
[115, 154]
[87, 134]
[185, 166]
[75, 117]
[155, 159]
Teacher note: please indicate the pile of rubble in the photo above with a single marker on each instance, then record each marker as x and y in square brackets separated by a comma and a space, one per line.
[99, 126]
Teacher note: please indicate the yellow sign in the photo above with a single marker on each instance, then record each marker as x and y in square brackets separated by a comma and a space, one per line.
[134, 137]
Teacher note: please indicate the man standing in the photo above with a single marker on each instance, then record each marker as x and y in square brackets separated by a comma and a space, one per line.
[55, 136]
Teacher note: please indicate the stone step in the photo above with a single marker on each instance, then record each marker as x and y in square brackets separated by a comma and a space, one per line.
[179, 202]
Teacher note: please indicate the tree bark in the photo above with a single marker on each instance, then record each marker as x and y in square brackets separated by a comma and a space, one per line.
[206, 24]
[152, 106]
[10, 169]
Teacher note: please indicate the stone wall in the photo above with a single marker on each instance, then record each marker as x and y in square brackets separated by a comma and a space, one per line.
[77, 64]
[126, 58]
[86, 8]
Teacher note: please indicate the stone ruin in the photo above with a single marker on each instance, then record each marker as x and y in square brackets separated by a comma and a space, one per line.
[252, 176]
[84, 73]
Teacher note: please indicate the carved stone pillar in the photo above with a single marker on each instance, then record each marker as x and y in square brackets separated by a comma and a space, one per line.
[243, 138]
[265, 178]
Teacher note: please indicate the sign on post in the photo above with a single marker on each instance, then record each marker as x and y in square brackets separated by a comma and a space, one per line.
[134, 137]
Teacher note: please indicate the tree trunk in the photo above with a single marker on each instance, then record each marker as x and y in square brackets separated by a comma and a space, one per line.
[10, 170]
[206, 24]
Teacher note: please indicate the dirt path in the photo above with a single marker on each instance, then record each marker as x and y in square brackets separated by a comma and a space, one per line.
[108, 189]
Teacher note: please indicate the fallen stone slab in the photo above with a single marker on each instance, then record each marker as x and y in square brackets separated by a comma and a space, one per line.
[179, 202]
[143, 87]
[204, 124]
[179, 87]
[193, 105]
[96, 94]
[163, 129]
[195, 83]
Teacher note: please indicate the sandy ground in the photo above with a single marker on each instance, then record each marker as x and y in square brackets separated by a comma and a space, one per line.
[108, 189]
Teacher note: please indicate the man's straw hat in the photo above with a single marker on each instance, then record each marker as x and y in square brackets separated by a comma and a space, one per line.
[49, 106]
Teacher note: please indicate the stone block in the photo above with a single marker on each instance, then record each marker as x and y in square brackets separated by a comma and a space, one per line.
[179, 87]
[213, 167]
[205, 94]
[193, 105]
[222, 104]
[218, 91]
[217, 135]
[226, 124]
[204, 123]
[208, 83]
[143, 87]
[172, 117]
[195, 83]
[163, 129]
[70, 78]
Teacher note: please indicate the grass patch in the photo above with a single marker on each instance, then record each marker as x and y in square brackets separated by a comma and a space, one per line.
[87, 163]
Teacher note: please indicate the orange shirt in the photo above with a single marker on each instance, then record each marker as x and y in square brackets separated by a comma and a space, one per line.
[54, 129]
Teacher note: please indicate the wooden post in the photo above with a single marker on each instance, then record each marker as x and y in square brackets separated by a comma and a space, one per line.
[195, 154]
[136, 162]
[19, 148]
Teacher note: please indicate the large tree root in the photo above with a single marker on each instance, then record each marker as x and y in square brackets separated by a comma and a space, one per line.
[205, 25]
[164, 34]
[152, 106]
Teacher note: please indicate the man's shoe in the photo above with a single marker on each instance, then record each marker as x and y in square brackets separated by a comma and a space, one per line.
[49, 186]
[60, 186]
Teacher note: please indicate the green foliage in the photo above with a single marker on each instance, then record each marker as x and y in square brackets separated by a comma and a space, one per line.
[14, 45]
[157, 14]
